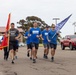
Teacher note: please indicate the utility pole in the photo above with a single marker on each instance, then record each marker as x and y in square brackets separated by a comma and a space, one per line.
[56, 20]
[74, 26]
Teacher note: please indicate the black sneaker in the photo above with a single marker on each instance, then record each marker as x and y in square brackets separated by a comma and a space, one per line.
[28, 54]
[44, 56]
[30, 58]
[12, 62]
[34, 60]
[52, 59]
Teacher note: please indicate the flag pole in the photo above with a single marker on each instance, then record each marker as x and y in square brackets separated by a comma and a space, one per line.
[8, 30]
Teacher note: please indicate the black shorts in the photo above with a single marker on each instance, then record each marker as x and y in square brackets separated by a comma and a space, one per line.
[54, 46]
[46, 46]
[12, 45]
[29, 46]
[17, 46]
[34, 45]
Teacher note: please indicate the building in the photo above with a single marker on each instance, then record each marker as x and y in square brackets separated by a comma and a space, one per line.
[2, 31]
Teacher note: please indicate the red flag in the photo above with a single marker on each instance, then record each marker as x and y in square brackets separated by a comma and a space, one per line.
[5, 38]
[8, 23]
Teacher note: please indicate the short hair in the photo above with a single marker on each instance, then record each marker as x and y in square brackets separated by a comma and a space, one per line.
[47, 27]
[52, 25]
[35, 22]
[12, 24]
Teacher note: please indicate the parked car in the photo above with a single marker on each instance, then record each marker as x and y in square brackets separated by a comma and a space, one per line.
[69, 41]
[1, 38]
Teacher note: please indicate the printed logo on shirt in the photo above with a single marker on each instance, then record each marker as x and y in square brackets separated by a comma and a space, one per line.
[46, 34]
[35, 32]
[12, 33]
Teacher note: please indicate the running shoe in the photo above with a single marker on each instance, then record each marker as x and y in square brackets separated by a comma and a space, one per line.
[28, 54]
[30, 58]
[44, 56]
[12, 62]
[34, 60]
[52, 59]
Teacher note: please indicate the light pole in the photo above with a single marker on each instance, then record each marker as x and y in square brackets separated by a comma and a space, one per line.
[56, 20]
[74, 26]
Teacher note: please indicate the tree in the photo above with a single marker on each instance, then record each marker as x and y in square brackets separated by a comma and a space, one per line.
[28, 22]
[22, 22]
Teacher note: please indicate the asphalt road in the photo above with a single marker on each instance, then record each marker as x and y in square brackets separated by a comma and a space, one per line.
[64, 64]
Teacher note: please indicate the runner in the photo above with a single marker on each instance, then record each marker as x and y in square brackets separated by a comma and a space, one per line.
[35, 33]
[52, 38]
[6, 51]
[45, 41]
[27, 36]
[12, 41]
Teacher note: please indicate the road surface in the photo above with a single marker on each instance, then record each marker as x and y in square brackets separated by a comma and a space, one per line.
[64, 64]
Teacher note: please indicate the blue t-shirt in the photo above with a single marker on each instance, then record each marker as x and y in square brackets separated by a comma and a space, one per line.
[44, 36]
[51, 38]
[34, 32]
[28, 40]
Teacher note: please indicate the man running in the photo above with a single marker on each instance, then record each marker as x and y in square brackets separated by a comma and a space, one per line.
[35, 33]
[27, 36]
[52, 38]
[45, 41]
[13, 37]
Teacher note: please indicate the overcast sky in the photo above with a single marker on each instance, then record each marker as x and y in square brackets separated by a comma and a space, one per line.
[45, 9]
